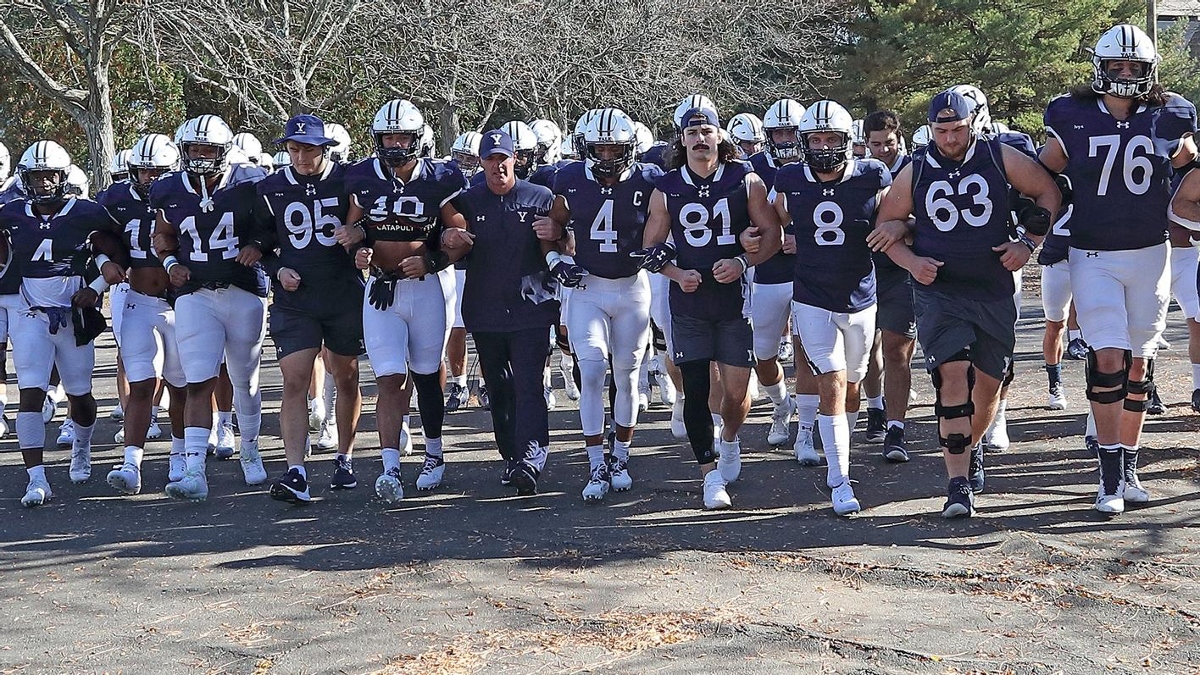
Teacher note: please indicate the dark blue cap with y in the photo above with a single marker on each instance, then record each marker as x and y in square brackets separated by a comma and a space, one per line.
[496, 142]
[950, 106]
[308, 129]
[701, 115]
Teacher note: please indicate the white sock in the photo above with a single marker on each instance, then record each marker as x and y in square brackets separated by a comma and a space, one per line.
[899, 424]
[433, 446]
[212, 432]
[391, 459]
[835, 432]
[1195, 376]
[38, 472]
[225, 417]
[546, 376]
[595, 455]
[177, 446]
[300, 468]
[195, 447]
[154, 410]
[328, 394]
[621, 450]
[83, 436]
[1000, 412]
[460, 380]
[248, 426]
[1074, 334]
[776, 392]
[806, 408]
[1089, 428]
[852, 419]
[875, 402]
[133, 455]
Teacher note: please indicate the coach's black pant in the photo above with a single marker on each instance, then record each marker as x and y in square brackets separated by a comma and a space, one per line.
[512, 365]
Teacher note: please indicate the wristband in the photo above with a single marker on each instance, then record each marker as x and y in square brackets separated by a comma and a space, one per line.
[1027, 241]
[100, 259]
[436, 261]
[552, 258]
[99, 285]
[745, 263]
[168, 262]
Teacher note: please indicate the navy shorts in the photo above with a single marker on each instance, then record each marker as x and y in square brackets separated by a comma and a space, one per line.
[730, 342]
[946, 325]
[335, 323]
[894, 296]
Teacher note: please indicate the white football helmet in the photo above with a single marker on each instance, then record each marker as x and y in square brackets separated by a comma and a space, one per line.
[580, 127]
[427, 141]
[119, 169]
[341, 151]
[827, 116]
[689, 102]
[982, 122]
[645, 138]
[77, 182]
[154, 153]
[249, 144]
[266, 161]
[610, 127]
[282, 159]
[524, 147]
[1124, 43]
[44, 156]
[398, 116]
[746, 128]
[465, 151]
[206, 130]
[921, 137]
[783, 114]
[5, 162]
[549, 141]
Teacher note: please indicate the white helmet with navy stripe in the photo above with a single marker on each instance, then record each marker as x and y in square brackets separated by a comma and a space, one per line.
[249, 144]
[427, 141]
[580, 127]
[524, 146]
[1124, 43]
[77, 182]
[688, 103]
[119, 169]
[5, 161]
[921, 137]
[610, 127]
[783, 114]
[152, 152]
[645, 138]
[339, 152]
[282, 159]
[746, 129]
[207, 130]
[44, 156]
[465, 152]
[981, 123]
[398, 116]
[826, 116]
[549, 140]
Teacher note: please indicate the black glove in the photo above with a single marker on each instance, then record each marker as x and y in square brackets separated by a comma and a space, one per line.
[1035, 219]
[59, 318]
[1064, 187]
[383, 293]
[88, 323]
[568, 274]
[656, 257]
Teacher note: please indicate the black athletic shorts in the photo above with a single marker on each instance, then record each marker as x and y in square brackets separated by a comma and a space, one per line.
[946, 325]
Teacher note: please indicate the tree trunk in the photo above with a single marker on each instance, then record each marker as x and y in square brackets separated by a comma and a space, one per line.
[98, 127]
[450, 129]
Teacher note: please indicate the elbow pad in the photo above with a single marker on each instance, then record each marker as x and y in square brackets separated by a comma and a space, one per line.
[1035, 219]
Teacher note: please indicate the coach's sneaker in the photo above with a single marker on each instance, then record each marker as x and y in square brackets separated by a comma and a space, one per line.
[127, 479]
[37, 493]
[894, 447]
[153, 432]
[1057, 399]
[81, 464]
[618, 475]
[1196, 400]
[66, 433]
[678, 428]
[960, 501]
[117, 414]
[551, 401]
[316, 413]
[390, 486]
[1133, 492]
[225, 441]
[598, 484]
[176, 467]
[844, 501]
[876, 425]
[781, 420]
[786, 351]
[292, 488]
[432, 472]
[192, 487]
[729, 461]
[1155, 406]
[485, 401]
[457, 397]
[510, 469]
[343, 474]
[525, 478]
[1077, 350]
[252, 464]
[3, 426]
[806, 452]
[975, 472]
[715, 495]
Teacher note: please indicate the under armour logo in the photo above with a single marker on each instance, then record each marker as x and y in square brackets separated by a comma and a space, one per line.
[1122, 125]
[606, 191]
[678, 356]
[704, 190]
[300, 127]
[480, 218]
[1093, 254]
[310, 189]
[130, 305]
[827, 192]
[44, 226]
[955, 174]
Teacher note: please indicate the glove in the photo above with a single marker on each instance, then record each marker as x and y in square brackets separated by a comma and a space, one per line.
[568, 274]
[656, 257]
[1064, 186]
[1035, 219]
[59, 318]
[383, 293]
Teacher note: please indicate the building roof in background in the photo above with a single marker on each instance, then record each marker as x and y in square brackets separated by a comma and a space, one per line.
[1179, 8]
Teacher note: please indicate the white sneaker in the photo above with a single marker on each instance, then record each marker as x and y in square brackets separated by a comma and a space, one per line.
[786, 351]
[569, 386]
[432, 472]
[176, 467]
[48, 409]
[752, 389]
[1111, 503]
[550, 401]
[806, 452]
[715, 496]
[781, 420]
[328, 439]
[119, 437]
[678, 428]
[644, 399]
[619, 477]
[127, 479]
[406, 444]
[1057, 400]
[666, 388]
[81, 464]
[66, 433]
[316, 413]
[153, 432]
[996, 437]
[3, 426]
[844, 501]
[729, 462]
[192, 487]
[225, 441]
[117, 413]
[1132, 490]
[252, 464]
[37, 493]
[598, 484]
[388, 486]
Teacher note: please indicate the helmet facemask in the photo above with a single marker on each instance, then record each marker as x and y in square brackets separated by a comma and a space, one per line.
[828, 159]
[396, 156]
[204, 166]
[609, 167]
[40, 194]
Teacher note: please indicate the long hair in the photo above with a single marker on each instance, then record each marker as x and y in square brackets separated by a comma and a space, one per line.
[1157, 95]
[676, 155]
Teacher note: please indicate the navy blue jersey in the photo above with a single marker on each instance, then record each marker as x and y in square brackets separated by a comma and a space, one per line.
[707, 215]
[398, 211]
[1120, 169]
[213, 227]
[831, 221]
[1018, 141]
[135, 218]
[886, 270]
[1058, 240]
[607, 220]
[10, 282]
[779, 268]
[54, 247]
[543, 175]
[961, 211]
[656, 155]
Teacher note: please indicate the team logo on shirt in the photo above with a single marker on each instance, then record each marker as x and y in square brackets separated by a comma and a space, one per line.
[827, 192]
[704, 191]
[1122, 125]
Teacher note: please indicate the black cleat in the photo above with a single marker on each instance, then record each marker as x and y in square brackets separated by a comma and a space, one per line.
[876, 425]
[292, 488]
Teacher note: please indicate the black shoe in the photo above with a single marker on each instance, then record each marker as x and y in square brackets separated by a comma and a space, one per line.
[343, 474]
[960, 501]
[1093, 446]
[292, 488]
[876, 425]
[510, 469]
[485, 403]
[975, 472]
[1196, 400]
[894, 448]
[457, 398]
[1077, 350]
[1155, 405]
[525, 478]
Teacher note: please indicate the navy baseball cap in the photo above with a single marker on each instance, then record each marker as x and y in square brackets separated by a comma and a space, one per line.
[308, 129]
[950, 106]
[496, 142]
[709, 116]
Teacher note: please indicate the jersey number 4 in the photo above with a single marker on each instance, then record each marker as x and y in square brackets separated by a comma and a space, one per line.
[222, 239]
[695, 218]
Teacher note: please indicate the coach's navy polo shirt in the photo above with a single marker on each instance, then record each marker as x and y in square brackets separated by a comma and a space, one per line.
[506, 252]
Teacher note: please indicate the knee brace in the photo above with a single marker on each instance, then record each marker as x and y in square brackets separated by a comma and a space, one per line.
[1145, 386]
[560, 338]
[955, 444]
[658, 338]
[1097, 379]
[1009, 374]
